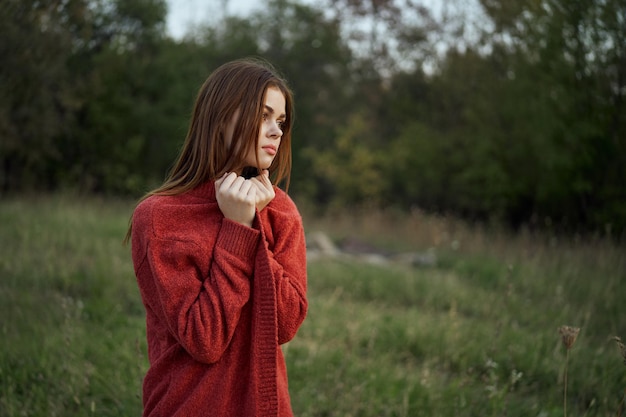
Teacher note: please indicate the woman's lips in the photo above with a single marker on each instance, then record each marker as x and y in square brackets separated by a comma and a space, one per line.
[270, 150]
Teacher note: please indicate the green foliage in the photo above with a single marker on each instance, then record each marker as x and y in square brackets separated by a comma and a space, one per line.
[568, 84]
[37, 97]
[524, 124]
[350, 168]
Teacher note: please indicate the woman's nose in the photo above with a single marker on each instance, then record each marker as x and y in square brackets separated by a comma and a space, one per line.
[275, 130]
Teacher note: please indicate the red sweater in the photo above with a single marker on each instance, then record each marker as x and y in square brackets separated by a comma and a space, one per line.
[220, 299]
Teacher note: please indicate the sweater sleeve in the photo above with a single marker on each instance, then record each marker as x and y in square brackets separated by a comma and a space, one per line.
[202, 308]
[288, 264]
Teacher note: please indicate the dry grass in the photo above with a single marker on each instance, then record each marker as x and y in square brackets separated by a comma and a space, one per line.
[568, 337]
[471, 335]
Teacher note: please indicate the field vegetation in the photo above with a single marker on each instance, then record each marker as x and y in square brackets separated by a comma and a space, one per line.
[483, 108]
[475, 334]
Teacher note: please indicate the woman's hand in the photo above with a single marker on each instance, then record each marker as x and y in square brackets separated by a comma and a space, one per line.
[265, 190]
[237, 198]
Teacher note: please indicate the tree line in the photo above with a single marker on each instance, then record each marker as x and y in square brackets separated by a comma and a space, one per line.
[519, 118]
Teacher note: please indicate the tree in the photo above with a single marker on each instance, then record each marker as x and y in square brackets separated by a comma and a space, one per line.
[120, 122]
[573, 52]
[58, 119]
[38, 98]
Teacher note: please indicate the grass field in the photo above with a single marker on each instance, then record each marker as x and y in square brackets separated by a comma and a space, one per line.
[473, 335]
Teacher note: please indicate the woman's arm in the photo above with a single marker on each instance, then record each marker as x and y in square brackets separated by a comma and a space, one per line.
[288, 264]
[202, 307]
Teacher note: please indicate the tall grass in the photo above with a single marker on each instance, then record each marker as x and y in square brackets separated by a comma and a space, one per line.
[477, 334]
[72, 321]
[474, 335]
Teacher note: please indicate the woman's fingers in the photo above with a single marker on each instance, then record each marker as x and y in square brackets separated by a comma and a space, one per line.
[236, 198]
[265, 190]
[225, 179]
[242, 187]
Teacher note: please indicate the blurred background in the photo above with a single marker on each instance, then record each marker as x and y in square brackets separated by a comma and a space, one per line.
[460, 166]
[488, 109]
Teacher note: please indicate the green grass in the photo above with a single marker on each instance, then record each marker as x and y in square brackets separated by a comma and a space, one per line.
[476, 335]
[72, 321]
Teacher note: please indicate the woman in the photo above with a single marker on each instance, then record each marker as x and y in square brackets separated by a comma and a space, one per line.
[219, 255]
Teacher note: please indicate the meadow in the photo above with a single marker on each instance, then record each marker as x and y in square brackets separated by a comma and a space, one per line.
[474, 334]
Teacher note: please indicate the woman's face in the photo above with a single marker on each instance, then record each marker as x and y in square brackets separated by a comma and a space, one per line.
[270, 133]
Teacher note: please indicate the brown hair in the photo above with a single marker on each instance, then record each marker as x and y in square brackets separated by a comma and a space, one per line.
[235, 87]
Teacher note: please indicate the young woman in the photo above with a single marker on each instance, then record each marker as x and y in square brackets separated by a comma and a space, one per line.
[219, 255]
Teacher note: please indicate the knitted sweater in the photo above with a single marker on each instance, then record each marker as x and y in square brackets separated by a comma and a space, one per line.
[220, 299]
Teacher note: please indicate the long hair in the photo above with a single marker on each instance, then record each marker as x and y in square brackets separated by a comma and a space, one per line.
[235, 87]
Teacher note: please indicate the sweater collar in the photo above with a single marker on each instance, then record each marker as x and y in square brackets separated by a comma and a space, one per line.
[205, 190]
